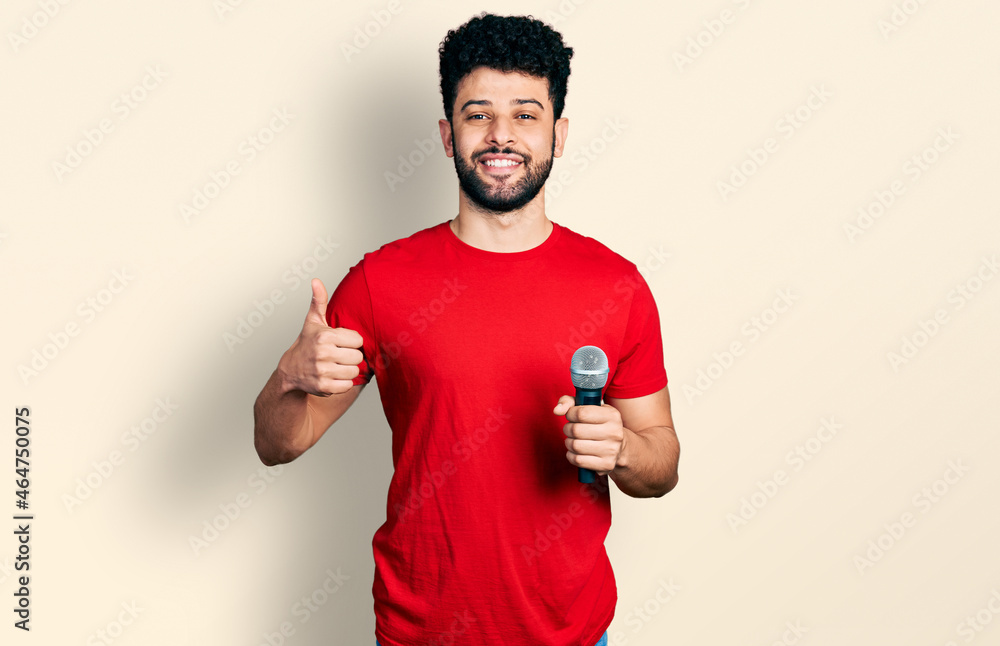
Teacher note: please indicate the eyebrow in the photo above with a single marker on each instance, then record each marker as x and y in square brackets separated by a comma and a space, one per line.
[512, 102]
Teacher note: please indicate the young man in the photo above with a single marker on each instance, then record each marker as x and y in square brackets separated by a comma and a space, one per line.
[469, 327]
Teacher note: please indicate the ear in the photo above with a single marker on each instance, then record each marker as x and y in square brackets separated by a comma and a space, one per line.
[561, 129]
[446, 137]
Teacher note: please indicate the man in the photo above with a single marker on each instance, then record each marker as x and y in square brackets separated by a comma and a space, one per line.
[469, 327]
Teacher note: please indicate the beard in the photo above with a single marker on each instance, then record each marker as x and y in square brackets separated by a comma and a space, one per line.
[499, 195]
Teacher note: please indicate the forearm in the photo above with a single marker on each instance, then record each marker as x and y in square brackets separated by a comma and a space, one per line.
[282, 426]
[647, 465]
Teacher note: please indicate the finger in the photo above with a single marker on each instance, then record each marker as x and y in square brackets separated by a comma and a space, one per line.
[595, 448]
[592, 414]
[585, 461]
[565, 403]
[582, 431]
[338, 372]
[341, 356]
[346, 338]
[590, 455]
[317, 307]
[333, 386]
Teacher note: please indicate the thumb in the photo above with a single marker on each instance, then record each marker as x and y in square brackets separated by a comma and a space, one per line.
[565, 403]
[317, 307]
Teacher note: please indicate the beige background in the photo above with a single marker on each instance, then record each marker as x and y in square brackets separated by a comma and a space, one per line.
[651, 192]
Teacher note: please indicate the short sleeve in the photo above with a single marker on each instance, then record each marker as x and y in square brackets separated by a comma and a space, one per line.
[350, 307]
[640, 369]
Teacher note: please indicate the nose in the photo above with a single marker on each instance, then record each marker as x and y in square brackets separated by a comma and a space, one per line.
[501, 132]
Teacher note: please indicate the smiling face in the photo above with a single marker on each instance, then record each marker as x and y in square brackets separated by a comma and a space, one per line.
[503, 138]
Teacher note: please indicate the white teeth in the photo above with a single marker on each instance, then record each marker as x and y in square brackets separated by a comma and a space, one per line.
[500, 162]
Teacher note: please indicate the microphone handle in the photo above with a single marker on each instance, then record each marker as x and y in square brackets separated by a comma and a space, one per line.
[587, 397]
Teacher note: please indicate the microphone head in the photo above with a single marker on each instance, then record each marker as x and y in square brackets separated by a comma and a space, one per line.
[589, 368]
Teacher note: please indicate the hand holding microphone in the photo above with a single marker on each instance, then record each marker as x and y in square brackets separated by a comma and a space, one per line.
[594, 431]
[323, 361]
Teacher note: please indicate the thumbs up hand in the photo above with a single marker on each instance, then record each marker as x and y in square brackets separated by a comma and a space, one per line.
[323, 361]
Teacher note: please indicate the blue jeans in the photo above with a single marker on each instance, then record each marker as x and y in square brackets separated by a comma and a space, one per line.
[603, 642]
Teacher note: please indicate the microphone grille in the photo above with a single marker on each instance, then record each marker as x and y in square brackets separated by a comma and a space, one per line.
[589, 368]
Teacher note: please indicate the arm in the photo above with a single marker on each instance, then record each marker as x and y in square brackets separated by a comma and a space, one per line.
[287, 422]
[643, 461]
[311, 388]
[647, 463]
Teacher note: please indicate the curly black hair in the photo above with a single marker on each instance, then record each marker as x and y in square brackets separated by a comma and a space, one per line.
[508, 44]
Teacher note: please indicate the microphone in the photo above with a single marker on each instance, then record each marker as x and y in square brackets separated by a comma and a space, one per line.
[589, 372]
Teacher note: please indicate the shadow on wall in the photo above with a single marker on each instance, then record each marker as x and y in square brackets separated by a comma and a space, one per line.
[384, 176]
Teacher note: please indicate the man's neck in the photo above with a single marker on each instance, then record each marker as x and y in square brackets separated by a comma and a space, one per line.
[510, 232]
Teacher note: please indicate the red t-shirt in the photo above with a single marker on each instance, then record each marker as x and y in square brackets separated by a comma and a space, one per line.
[489, 537]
